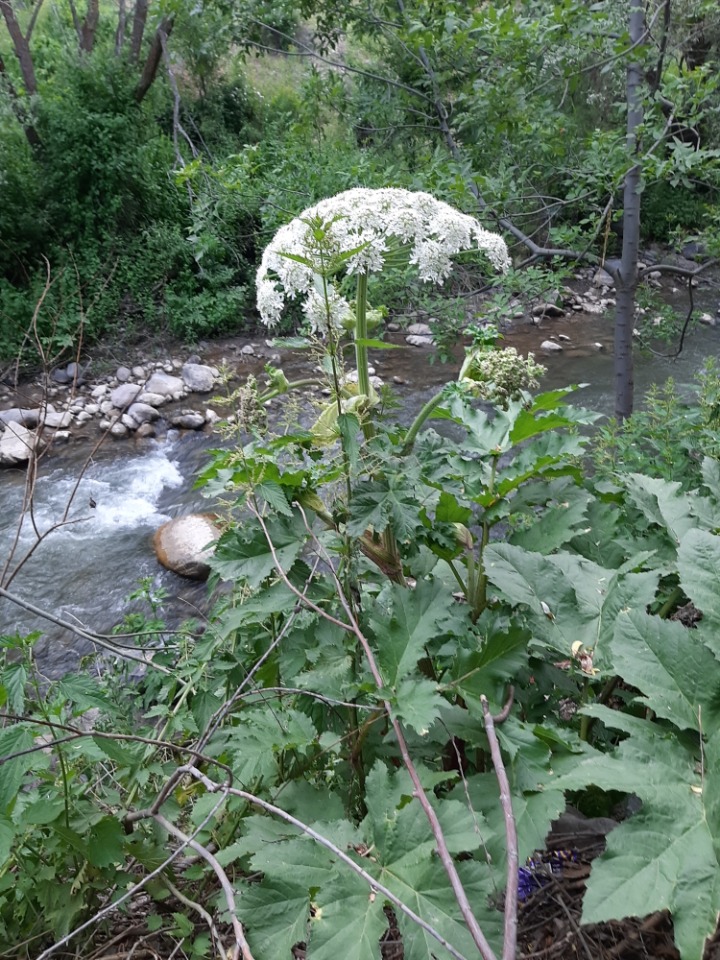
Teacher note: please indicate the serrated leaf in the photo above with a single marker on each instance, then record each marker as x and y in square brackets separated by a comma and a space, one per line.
[348, 921]
[404, 621]
[556, 525]
[274, 496]
[379, 504]
[12, 769]
[13, 681]
[244, 554]
[418, 703]
[666, 856]
[662, 502]
[676, 674]
[349, 425]
[699, 568]
[570, 600]
[276, 915]
[106, 843]
[7, 835]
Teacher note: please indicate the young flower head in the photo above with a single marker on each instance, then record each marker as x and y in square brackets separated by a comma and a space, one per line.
[355, 230]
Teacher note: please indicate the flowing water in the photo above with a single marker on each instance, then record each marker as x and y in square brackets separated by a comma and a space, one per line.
[83, 571]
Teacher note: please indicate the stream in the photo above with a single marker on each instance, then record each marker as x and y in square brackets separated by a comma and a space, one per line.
[83, 572]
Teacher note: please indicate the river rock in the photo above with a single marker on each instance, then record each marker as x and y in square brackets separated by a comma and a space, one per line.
[82, 417]
[549, 346]
[118, 429]
[123, 374]
[129, 422]
[100, 391]
[16, 445]
[53, 418]
[28, 418]
[146, 430]
[547, 310]
[603, 279]
[419, 330]
[198, 377]
[188, 420]
[415, 340]
[708, 319]
[164, 384]
[124, 395]
[185, 544]
[248, 350]
[139, 373]
[76, 372]
[152, 399]
[142, 412]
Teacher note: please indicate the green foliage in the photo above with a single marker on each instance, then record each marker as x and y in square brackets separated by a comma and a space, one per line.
[669, 437]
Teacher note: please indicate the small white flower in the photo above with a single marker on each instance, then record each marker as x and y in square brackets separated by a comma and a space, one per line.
[433, 230]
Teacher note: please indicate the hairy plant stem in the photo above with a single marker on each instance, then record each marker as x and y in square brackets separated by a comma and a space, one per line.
[293, 385]
[420, 419]
[361, 333]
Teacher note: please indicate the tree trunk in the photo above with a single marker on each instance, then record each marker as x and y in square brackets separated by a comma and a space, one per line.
[30, 132]
[89, 27]
[138, 30]
[152, 61]
[20, 46]
[627, 275]
[120, 33]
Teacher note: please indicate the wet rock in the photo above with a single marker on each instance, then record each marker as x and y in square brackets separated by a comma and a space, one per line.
[188, 420]
[198, 377]
[185, 545]
[17, 444]
[708, 319]
[599, 346]
[124, 395]
[603, 279]
[53, 418]
[152, 399]
[82, 417]
[118, 429]
[146, 430]
[419, 330]
[549, 346]
[164, 384]
[415, 340]
[60, 375]
[547, 310]
[29, 418]
[142, 412]
[248, 350]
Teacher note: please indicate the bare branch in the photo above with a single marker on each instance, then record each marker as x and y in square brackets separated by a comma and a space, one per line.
[511, 890]
[374, 884]
[33, 20]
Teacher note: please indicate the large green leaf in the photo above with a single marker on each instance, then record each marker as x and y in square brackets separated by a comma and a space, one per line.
[14, 740]
[699, 567]
[244, 553]
[676, 673]
[568, 599]
[378, 504]
[347, 922]
[666, 856]
[275, 914]
[565, 507]
[662, 502]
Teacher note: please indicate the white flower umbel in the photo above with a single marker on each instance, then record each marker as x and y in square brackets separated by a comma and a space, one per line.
[364, 221]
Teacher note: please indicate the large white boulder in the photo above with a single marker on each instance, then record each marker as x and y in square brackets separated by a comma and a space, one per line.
[185, 544]
[17, 444]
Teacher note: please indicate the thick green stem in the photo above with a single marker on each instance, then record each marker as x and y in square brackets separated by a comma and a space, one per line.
[361, 334]
[420, 419]
[294, 385]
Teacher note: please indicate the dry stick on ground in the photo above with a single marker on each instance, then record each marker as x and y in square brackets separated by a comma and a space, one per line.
[353, 627]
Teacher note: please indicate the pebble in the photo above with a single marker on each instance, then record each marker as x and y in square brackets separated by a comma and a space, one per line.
[122, 374]
[549, 346]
